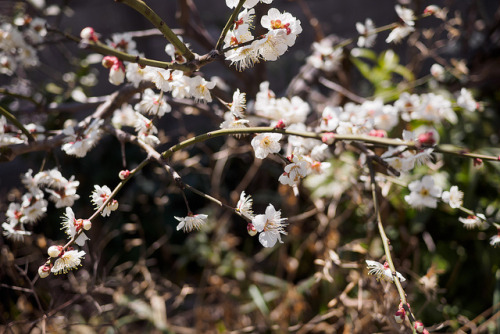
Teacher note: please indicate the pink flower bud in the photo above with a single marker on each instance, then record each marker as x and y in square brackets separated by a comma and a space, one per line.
[89, 34]
[328, 138]
[419, 327]
[378, 133]
[477, 162]
[109, 61]
[54, 251]
[43, 271]
[117, 73]
[399, 316]
[251, 229]
[426, 139]
[280, 125]
[431, 9]
[124, 174]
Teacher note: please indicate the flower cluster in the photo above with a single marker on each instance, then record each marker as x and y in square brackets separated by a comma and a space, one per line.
[33, 203]
[79, 141]
[245, 50]
[16, 43]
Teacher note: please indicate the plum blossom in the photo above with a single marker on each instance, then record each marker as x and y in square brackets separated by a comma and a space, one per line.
[72, 226]
[266, 143]
[298, 169]
[382, 271]
[473, 221]
[153, 104]
[99, 196]
[79, 142]
[270, 225]
[199, 88]
[367, 33]
[191, 222]
[466, 100]
[247, 4]
[244, 205]
[424, 193]
[67, 261]
[453, 197]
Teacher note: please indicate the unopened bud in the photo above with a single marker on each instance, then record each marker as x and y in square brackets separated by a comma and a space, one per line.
[87, 224]
[54, 251]
[328, 138]
[117, 73]
[251, 229]
[477, 162]
[113, 205]
[124, 174]
[431, 9]
[109, 61]
[280, 125]
[89, 34]
[43, 271]
[378, 133]
[427, 139]
[419, 327]
[399, 316]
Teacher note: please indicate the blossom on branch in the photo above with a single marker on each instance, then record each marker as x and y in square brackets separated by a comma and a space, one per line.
[270, 225]
[67, 261]
[265, 144]
[382, 271]
[191, 222]
[424, 193]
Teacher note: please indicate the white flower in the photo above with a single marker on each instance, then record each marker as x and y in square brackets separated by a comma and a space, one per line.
[466, 101]
[231, 122]
[274, 20]
[123, 42]
[472, 221]
[80, 143]
[266, 143]
[382, 271]
[191, 222]
[270, 225]
[330, 118]
[65, 196]
[423, 193]
[14, 231]
[199, 88]
[69, 260]
[437, 71]
[238, 104]
[453, 197]
[136, 73]
[367, 33]
[247, 4]
[272, 45]
[294, 171]
[72, 226]
[153, 104]
[245, 56]
[406, 15]
[99, 196]
[125, 116]
[244, 205]
[398, 33]
[495, 240]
